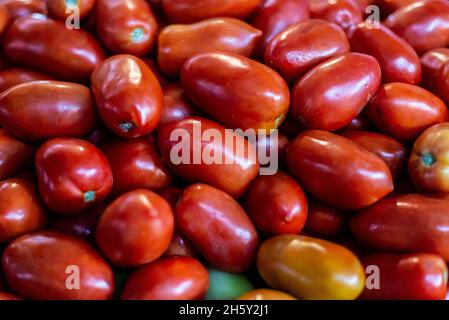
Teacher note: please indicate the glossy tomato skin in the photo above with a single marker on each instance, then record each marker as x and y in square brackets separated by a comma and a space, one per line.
[268, 144]
[432, 62]
[274, 16]
[310, 268]
[188, 11]
[126, 26]
[344, 13]
[60, 9]
[47, 109]
[388, 149]
[232, 174]
[181, 246]
[338, 171]
[424, 25]
[21, 211]
[4, 18]
[36, 267]
[398, 61]
[407, 277]
[315, 102]
[213, 80]
[429, 161]
[403, 111]
[73, 175]
[178, 43]
[136, 164]
[324, 221]
[129, 96]
[24, 8]
[396, 224]
[135, 229]
[266, 294]
[50, 47]
[302, 46]
[14, 76]
[172, 278]
[15, 155]
[277, 204]
[389, 6]
[230, 241]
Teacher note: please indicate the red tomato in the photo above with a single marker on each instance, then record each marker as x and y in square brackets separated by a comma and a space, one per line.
[172, 278]
[338, 171]
[324, 221]
[61, 9]
[277, 204]
[14, 155]
[4, 17]
[135, 229]
[14, 76]
[389, 6]
[73, 175]
[24, 8]
[9, 296]
[47, 266]
[432, 62]
[171, 194]
[218, 227]
[181, 246]
[344, 13]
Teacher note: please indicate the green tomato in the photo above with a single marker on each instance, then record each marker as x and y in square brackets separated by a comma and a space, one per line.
[227, 286]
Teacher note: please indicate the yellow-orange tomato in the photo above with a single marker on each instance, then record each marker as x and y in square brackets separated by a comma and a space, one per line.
[310, 268]
[266, 294]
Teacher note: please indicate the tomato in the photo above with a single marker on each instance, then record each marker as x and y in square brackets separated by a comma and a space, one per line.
[181, 246]
[21, 211]
[151, 63]
[229, 242]
[50, 47]
[408, 222]
[173, 278]
[62, 9]
[171, 194]
[14, 155]
[14, 76]
[398, 61]
[214, 81]
[429, 161]
[310, 268]
[136, 164]
[128, 95]
[227, 286]
[126, 26]
[24, 8]
[237, 165]
[432, 62]
[338, 171]
[47, 109]
[389, 6]
[277, 204]
[135, 229]
[404, 111]
[274, 16]
[424, 24]
[9, 296]
[324, 221]
[272, 148]
[388, 149]
[177, 105]
[406, 276]
[361, 122]
[187, 11]
[315, 102]
[4, 17]
[73, 175]
[45, 266]
[224, 34]
[302, 46]
[266, 294]
[344, 13]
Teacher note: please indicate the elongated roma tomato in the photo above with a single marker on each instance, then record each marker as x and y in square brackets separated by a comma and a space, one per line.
[344, 13]
[49, 46]
[126, 26]
[404, 111]
[229, 242]
[198, 158]
[128, 95]
[14, 155]
[330, 95]
[302, 46]
[432, 62]
[428, 166]
[424, 24]
[178, 43]
[21, 211]
[338, 171]
[266, 294]
[186, 11]
[173, 278]
[310, 268]
[408, 222]
[14, 76]
[73, 175]
[398, 61]
[62, 9]
[38, 266]
[42, 110]
[405, 276]
[214, 81]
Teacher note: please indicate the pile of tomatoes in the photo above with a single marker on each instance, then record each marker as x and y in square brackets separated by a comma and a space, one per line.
[93, 204]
